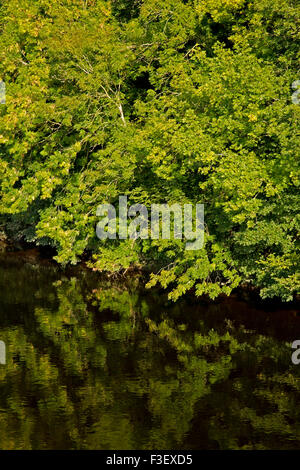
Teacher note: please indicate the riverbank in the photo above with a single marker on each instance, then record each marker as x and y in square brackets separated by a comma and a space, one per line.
[31, 255]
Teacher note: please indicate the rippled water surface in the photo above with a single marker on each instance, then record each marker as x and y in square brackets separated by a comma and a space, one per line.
[104, 364]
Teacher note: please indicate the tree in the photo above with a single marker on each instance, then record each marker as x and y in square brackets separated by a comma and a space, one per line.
[170, 101]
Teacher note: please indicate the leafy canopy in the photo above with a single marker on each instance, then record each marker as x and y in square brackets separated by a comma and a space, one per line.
[164, 101]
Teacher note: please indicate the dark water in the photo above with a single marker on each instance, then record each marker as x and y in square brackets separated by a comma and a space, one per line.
[106, 365]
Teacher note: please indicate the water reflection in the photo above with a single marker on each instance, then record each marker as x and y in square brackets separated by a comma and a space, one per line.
[107, 366]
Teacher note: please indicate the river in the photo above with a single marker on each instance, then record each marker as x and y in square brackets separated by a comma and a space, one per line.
[102, 363]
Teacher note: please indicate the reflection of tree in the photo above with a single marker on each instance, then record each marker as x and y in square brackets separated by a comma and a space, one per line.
[70, 329]
[109, 368]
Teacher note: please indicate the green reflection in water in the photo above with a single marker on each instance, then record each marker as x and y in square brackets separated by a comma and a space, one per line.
[104, 365]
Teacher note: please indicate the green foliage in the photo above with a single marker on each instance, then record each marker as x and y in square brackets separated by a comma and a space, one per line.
[164, 101]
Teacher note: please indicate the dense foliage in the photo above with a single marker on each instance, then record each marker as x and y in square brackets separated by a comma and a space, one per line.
[164, 101]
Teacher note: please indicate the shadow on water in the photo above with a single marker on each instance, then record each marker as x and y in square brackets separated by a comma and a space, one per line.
[107, 365]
